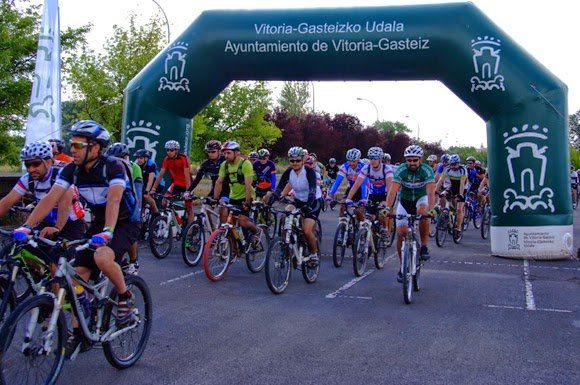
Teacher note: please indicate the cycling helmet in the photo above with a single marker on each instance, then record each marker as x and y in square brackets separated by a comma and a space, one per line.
[375, 153]
[313, 155]
[353, 154]
[413, 150]
[478, 163]
[387, 157]
[36, 150]
[91, 130]
[213, 145]
[142, 152]
[332, 160]
[309, 160]
[432, 158]
[471, 159]
[445, 158]
[58, 143]
[454, 159]
[262, 153]
[295, 152]
[172, 145]
[253, 155]
[304, 152]
[118, 150]
[231, 145]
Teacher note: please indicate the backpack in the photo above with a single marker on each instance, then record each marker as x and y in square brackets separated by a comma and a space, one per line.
[240, 177]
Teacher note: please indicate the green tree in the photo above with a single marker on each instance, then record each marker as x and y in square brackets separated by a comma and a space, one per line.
[236, 114]
[295, 98]
[465, 152]
[98, 79]
[19, 27]
[394, 127]
[574, 124]
[575, 157]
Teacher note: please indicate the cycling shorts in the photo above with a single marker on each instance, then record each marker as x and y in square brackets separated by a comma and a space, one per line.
[410, 207]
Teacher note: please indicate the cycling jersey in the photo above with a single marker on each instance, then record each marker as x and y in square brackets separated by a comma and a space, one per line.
[93, 185]
[331, 171]
[303, 183]
[62, 160]
[177, 168]
[472, 176]
[413, 183]
[237, 186]
[574, 177]
[377, 178]
[265, 175]
[148, 168]
[210, 168]
[40, 188]
[345, 171]
[455, 177]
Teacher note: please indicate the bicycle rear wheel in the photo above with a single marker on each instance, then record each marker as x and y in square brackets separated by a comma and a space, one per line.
[477, 216]
[485, 222]
[360, 253]
[381, 254]
[432, 227]
[441, 229]
[23, 359]
[160, 236]
[278, 266]
[256, 254]
[217, 255]
[7, 296]
[466, 217]
[310, 272]
[339, 246]
[407, 276]
[192, 243]
[125, 350]
[416, 277]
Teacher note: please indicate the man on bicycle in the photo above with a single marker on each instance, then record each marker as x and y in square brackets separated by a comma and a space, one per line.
[350, 170]
[210, 167]
[331, 172]
[265, 171]
[240, 174]
[455, 175]
[104, 183]
[416, 182]
[432, 160]
[574, 177]
[307, 197]
[178, 166]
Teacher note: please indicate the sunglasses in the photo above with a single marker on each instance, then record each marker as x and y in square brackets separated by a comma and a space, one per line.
[414, 160]
[34, 164]
[212, 152]
[78, 145]
[295, 160]
[170, 150]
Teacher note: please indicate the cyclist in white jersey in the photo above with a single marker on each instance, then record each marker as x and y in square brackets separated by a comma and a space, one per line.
[574, 183]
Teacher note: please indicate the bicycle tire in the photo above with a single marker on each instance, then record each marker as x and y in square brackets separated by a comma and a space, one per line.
[380, 256]
[407, 276]
[192, 243]
[486, 222]
[160, 234]
[338, 248]
[432, 227]
[13, 331]
[311, 273]
[466, 217]
[137, 285]
[360, 253]
[477, 216]
[7, 296]
[278, 266]
[392, 233]
[441, 229]
[217, 255]
[256, 255]
[318, 230]
[416, 277]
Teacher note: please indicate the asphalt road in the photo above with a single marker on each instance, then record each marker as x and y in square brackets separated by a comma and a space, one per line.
[477, 320]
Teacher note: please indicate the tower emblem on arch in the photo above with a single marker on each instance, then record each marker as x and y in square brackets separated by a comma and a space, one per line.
[140, 134]
[486, 61]
[527, 164]
[175, 61]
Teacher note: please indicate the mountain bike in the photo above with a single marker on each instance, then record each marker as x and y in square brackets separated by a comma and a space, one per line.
[370, 239]
[196, 233]
[410, 263]
[344, 234]
[286, 253]
[33, 337]
[167, 225]
[474, 210]
[229, 242]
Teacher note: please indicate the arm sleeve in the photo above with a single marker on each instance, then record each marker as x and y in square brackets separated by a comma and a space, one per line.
[312, 185]
[21, 187]
[273, 180]
[339, 177]
[65, 177]
[198, 176]
[283, 182]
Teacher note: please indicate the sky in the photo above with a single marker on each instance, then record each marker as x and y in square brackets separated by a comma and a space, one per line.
[546, 30]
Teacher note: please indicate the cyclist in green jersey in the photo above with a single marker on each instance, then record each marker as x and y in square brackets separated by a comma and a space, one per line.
[416, 182]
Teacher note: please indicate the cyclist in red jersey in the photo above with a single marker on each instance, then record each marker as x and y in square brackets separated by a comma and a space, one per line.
[178, 166]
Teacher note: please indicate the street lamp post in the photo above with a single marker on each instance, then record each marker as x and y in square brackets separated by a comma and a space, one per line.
[418, 128]
[374, 105]
[166, 21]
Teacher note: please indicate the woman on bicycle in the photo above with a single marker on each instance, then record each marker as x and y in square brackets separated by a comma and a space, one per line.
[307, 197]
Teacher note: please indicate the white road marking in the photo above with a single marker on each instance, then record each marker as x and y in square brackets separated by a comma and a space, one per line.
[503, 265]
[522, 308]
[179, 278]
[530, 303]
[354, 281]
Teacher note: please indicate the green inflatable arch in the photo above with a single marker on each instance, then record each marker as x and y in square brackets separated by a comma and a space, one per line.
[522, 103]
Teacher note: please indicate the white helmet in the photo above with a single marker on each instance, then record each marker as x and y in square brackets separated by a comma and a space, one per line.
[36, 150]
[353, 154]
[387, 157]
[296, 151]
[432, 158]
[413, 150]
[172, 145]
[455, 158]
[231, 145]
[375, 153]
[262, 153]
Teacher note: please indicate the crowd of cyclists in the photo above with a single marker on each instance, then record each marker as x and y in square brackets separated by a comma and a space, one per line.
[114, 185]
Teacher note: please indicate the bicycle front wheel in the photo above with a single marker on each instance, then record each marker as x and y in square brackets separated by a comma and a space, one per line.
[28, 354]
[381, 254]
[310, 271]
[160, 236]
[192, 243]
[441, 230]
[360, 252]
[339, 246]
[217, 254]
[407, 275]
[126, 349]
[256, 254]
[278, 266]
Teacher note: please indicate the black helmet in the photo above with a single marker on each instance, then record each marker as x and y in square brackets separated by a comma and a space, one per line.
[213, 145]
[118, 150]
[142, 152]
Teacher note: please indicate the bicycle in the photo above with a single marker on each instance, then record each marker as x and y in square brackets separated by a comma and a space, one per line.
[167, 225]
[145, 222]
[370, 239]
[447, 223]
[344, 234]
[486, 221]
[34, 335]
[196, 233]
[410, 264]
[262, 215]
[227, 243]
[287, 251]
